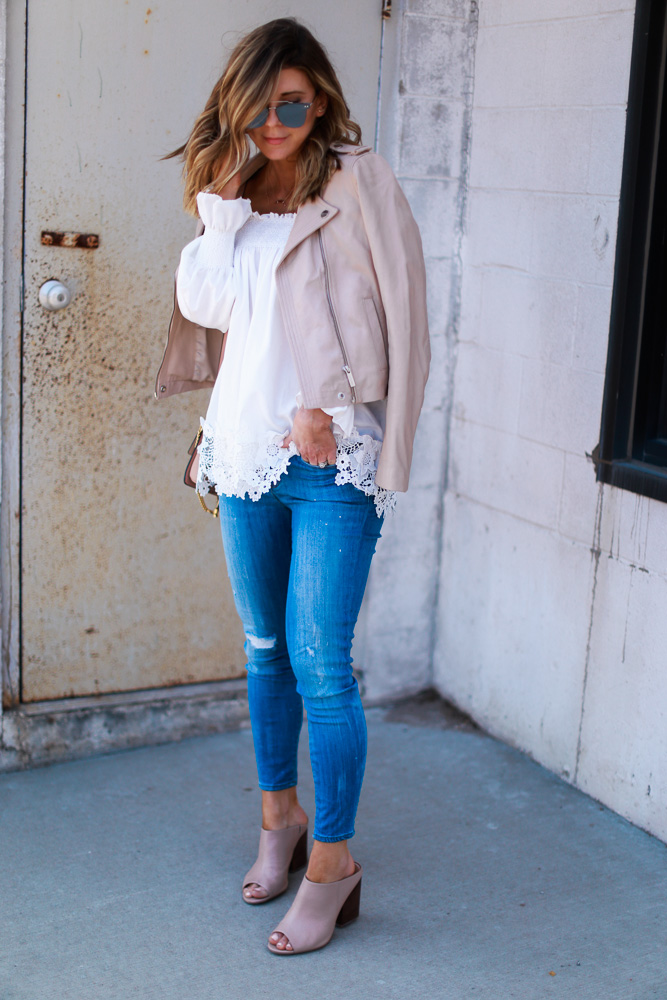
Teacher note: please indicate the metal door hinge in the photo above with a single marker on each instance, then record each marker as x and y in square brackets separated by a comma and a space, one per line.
[386, 8]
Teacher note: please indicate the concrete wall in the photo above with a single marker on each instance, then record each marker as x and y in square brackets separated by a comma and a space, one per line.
[551, 624]
[424, 132]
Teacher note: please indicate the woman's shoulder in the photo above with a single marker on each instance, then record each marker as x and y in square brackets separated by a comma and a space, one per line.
[361, 167]
[360, 158]
[350, 157]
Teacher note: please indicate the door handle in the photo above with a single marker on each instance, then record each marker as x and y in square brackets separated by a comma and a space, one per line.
[53, 295]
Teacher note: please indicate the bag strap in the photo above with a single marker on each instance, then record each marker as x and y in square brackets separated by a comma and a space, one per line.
[187, 479]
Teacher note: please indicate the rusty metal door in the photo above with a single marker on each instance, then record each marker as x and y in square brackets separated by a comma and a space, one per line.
[123, 580]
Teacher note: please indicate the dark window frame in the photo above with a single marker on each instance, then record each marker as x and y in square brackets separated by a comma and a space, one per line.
[632, 453]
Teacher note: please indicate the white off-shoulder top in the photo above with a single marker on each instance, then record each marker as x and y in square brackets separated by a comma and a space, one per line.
[226, 281]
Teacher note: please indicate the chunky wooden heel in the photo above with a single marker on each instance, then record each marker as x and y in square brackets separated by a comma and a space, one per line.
[349, 911]
[300, 855]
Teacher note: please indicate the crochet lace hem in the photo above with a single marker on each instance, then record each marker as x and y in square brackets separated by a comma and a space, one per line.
[236, 468]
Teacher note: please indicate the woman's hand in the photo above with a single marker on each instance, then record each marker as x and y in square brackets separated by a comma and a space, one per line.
[313, 437]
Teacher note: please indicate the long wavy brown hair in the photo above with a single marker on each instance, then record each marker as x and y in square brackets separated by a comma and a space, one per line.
[218, 145]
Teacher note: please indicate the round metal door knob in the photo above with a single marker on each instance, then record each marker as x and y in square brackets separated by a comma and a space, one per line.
[53, 295]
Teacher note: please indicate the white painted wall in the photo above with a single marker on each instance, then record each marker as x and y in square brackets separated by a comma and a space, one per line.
[551, 627]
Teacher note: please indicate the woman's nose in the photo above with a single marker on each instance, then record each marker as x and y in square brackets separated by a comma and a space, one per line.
[273, 118]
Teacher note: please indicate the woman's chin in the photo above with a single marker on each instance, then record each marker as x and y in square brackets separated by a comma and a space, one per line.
[276, 150]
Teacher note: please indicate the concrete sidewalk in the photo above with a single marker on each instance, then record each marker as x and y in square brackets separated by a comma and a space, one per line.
[485, 878]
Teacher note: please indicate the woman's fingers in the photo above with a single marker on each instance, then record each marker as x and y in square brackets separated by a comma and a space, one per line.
[313, 437]
[318, 452]
[314, 454]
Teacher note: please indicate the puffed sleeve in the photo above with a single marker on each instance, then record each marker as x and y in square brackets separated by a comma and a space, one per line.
[205, 280]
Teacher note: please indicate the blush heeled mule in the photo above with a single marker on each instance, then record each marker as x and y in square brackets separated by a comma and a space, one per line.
[280, 852]
[317, 909]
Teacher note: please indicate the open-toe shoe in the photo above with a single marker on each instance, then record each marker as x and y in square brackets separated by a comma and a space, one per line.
[318, 907]
[280, 852]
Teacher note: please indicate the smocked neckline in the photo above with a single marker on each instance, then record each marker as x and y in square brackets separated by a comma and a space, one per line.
[273, 215]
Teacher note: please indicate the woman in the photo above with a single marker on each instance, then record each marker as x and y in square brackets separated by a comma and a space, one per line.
[303, 304]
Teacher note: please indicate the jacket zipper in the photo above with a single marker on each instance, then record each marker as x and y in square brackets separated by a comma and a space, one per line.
[346, 363]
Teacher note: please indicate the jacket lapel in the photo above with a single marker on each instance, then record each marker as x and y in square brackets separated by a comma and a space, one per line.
[310, 217]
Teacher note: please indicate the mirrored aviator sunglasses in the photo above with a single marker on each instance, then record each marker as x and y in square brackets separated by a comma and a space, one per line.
[290, 114]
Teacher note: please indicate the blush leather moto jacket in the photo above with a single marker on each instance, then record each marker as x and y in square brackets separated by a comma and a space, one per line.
[351, 286]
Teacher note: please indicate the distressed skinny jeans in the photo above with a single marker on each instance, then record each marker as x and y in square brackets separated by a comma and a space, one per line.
[298, 560]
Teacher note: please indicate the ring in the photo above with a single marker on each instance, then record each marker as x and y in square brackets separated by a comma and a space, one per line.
[322, 465]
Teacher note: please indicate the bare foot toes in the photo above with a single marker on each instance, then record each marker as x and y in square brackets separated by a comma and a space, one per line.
[280, 941]
[254, 891]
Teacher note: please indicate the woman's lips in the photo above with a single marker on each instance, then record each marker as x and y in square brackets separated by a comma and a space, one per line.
[275, 141]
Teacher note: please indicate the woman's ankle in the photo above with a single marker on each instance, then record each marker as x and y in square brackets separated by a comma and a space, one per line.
[330, 862]
[282, 809]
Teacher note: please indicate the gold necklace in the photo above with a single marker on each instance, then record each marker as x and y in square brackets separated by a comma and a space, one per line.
[276, 201]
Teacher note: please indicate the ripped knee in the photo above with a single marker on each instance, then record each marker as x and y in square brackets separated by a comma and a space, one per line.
[261, 641]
